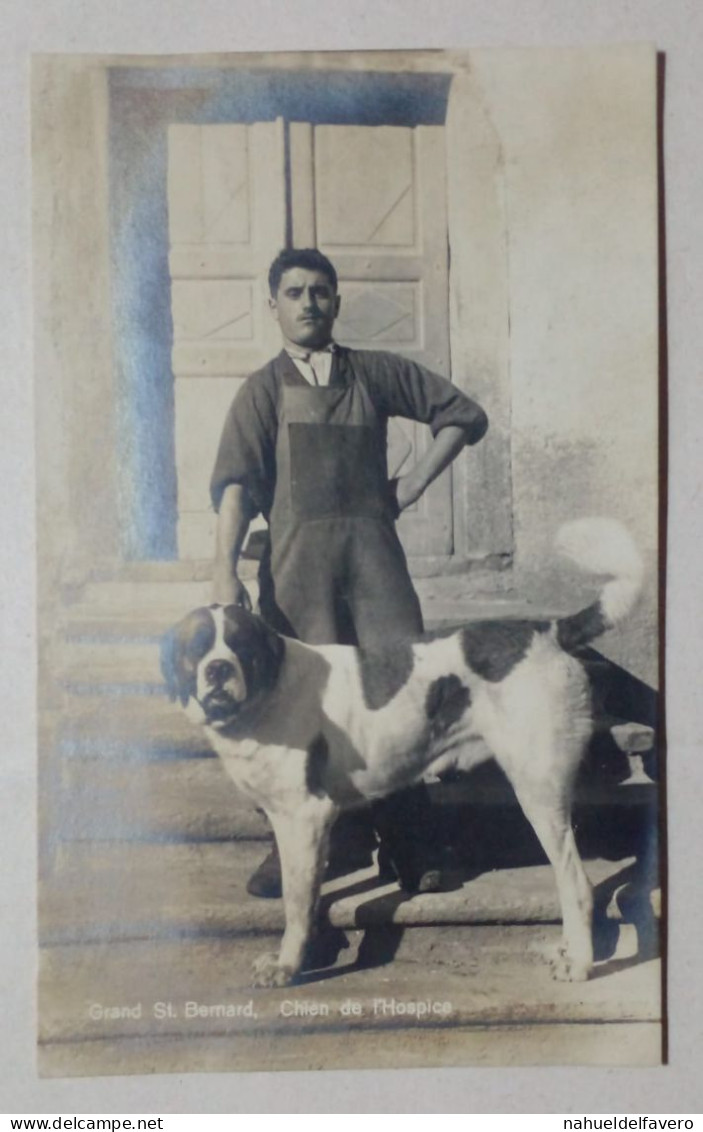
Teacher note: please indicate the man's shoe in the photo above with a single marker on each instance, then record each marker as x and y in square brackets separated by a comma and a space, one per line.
[430, 881]
[266, 881]
[409, 878]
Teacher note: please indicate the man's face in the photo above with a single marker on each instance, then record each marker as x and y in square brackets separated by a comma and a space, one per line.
[305, 307]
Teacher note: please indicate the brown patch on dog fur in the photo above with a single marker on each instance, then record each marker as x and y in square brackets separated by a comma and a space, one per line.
[493, 648]
[581, 627]
[318, 756]
[384, 672]
[258, 648]
[182, 649]
[447, 700]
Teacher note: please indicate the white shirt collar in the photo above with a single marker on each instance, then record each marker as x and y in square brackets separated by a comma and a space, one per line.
[298, 353]
[314, 365]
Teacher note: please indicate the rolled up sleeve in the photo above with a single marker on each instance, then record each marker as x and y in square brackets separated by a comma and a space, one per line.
[246, 453]
[406, 389]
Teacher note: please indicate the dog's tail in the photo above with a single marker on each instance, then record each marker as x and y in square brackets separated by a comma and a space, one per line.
[600, 546]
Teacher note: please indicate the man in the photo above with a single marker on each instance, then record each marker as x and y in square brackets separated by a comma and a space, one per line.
[305, 444]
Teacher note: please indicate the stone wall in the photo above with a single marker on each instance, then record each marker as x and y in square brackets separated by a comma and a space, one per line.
[576, 143]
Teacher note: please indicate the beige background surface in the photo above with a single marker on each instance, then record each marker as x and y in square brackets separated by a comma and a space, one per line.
[677, 29]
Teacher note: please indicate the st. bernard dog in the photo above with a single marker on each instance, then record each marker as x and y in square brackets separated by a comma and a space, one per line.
[308, 731]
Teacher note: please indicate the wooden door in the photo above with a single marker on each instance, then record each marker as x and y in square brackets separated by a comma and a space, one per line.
[374, 200]
[227, 221]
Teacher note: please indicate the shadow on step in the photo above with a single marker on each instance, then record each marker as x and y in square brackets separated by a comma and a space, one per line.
[625, 898]
[489, 834]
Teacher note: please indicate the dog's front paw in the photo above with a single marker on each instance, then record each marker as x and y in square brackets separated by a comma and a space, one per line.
[268, 972]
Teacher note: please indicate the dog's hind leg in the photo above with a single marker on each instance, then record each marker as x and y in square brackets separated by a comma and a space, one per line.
[551, 820]
[302, 838]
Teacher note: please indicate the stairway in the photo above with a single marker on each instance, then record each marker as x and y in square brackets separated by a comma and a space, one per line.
[143, 909]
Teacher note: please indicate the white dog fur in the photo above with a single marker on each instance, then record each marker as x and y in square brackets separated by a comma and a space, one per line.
[306, 731]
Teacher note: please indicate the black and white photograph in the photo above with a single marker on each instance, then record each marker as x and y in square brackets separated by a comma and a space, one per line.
[349, 495]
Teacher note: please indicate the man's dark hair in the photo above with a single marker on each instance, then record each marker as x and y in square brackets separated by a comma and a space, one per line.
[309, 258]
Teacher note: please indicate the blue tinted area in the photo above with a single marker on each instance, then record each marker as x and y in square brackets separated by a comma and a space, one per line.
[143, 103]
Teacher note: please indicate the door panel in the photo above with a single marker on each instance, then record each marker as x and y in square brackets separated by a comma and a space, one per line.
[209, 185]
[365, 181]
[373, 198]
[226, 201]
[380, 215]
[201, 409]
[385, 314]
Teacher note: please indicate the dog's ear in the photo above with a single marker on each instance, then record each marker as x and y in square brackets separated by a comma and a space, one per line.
[171, 668]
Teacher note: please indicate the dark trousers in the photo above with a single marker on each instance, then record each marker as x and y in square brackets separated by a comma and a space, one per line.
[345, 581]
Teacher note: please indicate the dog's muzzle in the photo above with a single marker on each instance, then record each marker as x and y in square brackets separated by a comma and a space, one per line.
[218, 703]
[219, 706]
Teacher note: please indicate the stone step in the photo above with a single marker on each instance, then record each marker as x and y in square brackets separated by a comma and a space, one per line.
[164, 570]
[192, 798]
[98, 624]
[123, 610]
[480, 573]
[108, 649]
[456, 600]
[130, 597]
[114, 721]
[90, 665]
[492, 974]
[608, 1045]
[184, 800]
[137, 722]
[122, 726]
[105, 654]
[131, 890]
[142, 587]
[110, 627]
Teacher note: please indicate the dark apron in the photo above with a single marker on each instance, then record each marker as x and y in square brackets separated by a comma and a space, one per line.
[337, 572]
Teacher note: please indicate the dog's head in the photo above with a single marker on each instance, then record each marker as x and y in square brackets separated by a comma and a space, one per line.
[220, 662]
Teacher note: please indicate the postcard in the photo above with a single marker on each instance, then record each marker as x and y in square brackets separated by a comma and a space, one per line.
[347, 385]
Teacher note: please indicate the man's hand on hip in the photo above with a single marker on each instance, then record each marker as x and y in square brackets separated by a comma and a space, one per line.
[407, 491]
[444, 448]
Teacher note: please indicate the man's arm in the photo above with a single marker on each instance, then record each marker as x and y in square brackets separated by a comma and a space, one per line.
[402, 388]
[235, 514]
[242, 479]
[446, 445]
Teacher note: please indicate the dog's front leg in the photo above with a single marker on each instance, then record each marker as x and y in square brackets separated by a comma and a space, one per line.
[302, 843]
